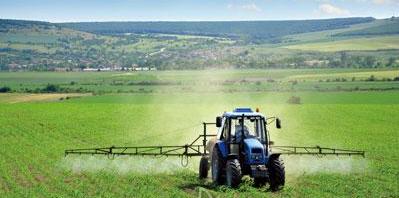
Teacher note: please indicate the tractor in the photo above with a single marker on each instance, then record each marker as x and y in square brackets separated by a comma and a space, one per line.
[242, 146]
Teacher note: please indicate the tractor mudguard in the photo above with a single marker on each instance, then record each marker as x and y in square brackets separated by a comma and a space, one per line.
[272, 156]
[275, 155]
[222, 148]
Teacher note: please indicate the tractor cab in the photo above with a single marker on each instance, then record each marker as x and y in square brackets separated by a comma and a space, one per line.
[243, 131]
[242, 148]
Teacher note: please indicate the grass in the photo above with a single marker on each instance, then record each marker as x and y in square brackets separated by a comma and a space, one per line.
[203, 81]
[330, 35]
[375, 43]
[35, 134]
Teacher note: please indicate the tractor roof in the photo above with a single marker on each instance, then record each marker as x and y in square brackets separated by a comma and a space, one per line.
[239, 111]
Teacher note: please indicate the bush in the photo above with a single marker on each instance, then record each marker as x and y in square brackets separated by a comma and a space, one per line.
[294, 100]
[51, 88]
[371, 78]
[5, 89]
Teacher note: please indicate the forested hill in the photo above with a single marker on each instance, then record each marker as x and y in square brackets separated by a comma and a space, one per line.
[254, 30]
[7, 24]
[387, 27]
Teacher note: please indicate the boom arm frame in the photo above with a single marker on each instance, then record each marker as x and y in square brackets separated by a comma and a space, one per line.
[197, 149]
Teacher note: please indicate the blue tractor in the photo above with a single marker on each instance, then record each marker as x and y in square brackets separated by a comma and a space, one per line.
[242, 148]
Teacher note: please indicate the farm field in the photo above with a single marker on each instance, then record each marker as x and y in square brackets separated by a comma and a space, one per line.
[36, 132]
[375, 43]
[226, 81]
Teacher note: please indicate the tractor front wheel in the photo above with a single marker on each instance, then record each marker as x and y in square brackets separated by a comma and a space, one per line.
[233, 173]
[204, 167]
[276, 173]
[218, 164]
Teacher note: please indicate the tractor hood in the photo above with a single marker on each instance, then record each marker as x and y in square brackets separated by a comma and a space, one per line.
[254, 150]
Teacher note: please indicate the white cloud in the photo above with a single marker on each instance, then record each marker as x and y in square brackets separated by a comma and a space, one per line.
[379, 1]
[329, 9]
[252, 7]
[382, 2]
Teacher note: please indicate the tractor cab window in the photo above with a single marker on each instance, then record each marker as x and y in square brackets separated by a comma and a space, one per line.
[250, 127]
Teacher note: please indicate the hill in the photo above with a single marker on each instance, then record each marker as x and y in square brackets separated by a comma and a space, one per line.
[38, 46]
[356, 44]
[252, 30]
[387, 27]
[7, 24]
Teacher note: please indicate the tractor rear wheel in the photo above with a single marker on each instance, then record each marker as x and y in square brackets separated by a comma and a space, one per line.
[218, 164]
[204, 167]
[276, 173]
[233, 173]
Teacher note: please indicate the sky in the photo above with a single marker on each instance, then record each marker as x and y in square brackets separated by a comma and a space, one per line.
[193, 10]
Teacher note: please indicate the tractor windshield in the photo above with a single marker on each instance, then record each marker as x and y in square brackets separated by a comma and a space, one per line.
[252, 127]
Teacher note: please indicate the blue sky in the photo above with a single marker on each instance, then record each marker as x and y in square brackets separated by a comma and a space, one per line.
[192, 10]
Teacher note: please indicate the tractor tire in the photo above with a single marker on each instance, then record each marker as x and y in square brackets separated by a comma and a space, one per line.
[233, 173]
[218, 164]
[276, 173]
[204, 167]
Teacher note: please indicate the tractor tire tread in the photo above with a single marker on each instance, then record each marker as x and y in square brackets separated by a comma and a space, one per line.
[276, 174]
[219, 179]
[234, 173]
[204, 167]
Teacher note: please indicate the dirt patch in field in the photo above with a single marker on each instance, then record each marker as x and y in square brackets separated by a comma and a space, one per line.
[21, 179]
[18, 98]
[4, 186]
[37, 175]
[75, 178]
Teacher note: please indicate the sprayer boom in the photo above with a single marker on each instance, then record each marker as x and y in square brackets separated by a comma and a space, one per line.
[315, 150]
[191, 150]
[197, 148]
[185, 150]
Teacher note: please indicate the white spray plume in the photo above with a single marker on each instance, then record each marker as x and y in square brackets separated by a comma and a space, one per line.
[300, 165]
[123, 165]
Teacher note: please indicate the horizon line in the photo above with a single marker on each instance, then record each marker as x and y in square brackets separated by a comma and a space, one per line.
[249, 20]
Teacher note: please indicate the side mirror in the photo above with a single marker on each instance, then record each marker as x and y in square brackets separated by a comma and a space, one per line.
[218, 121]
[278, 123]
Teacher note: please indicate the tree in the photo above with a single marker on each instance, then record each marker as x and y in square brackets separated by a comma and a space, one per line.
[5, 89]
[50, 88]
[391, 62]
[370, 61]
[344, 59]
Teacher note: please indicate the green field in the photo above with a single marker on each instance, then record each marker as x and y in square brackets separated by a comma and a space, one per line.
[226, 81]
[376, 43]
[35, 133]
